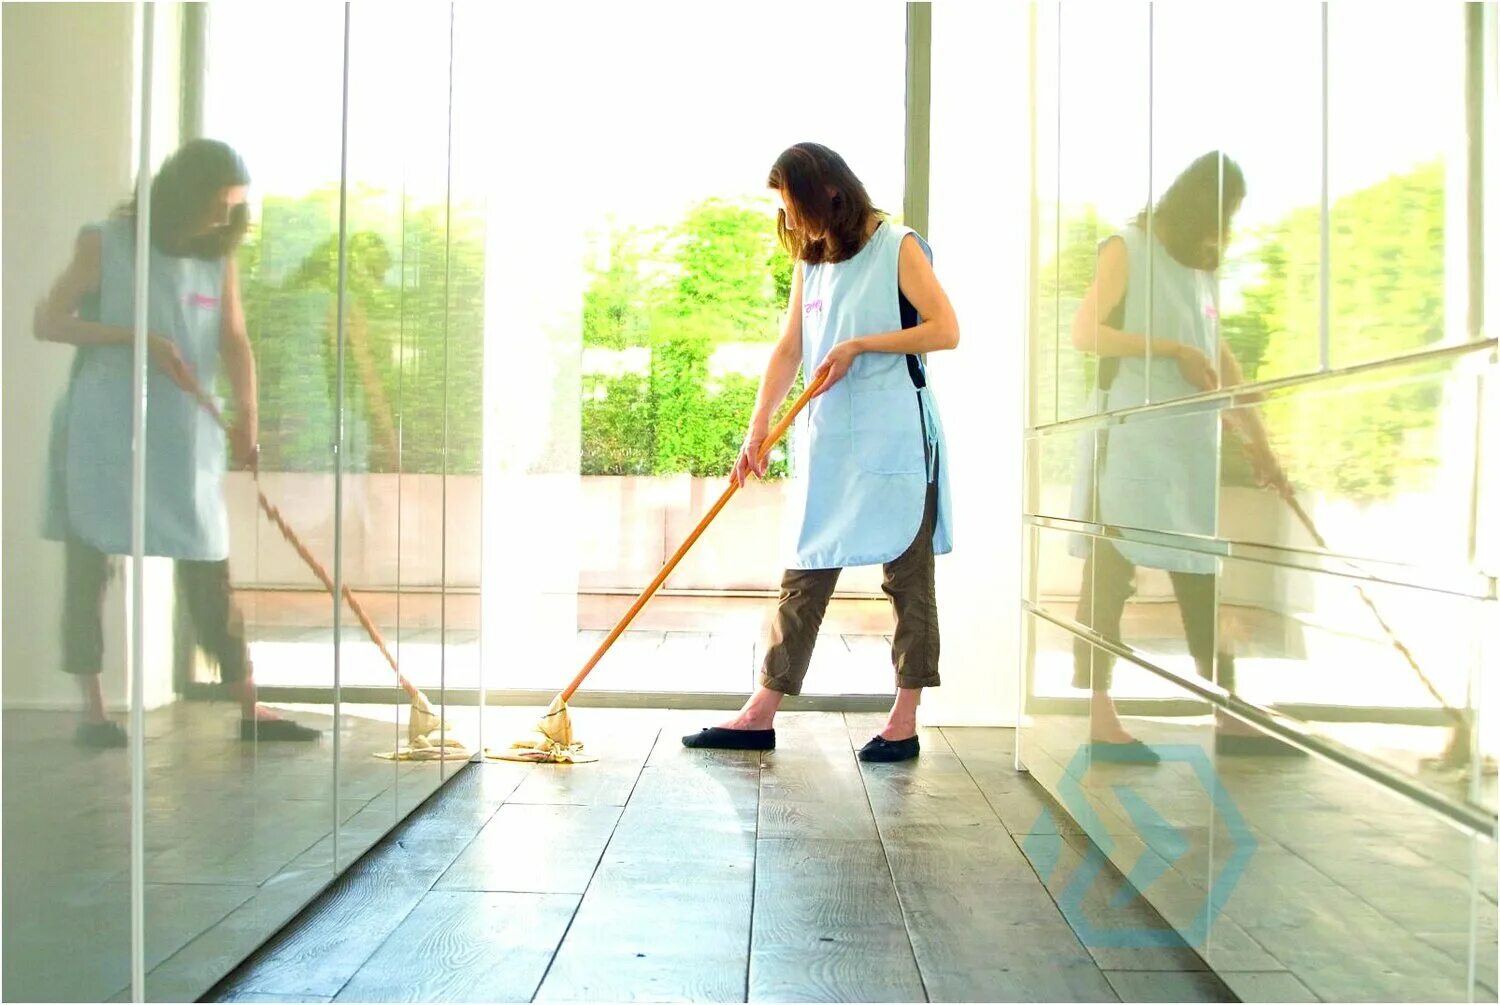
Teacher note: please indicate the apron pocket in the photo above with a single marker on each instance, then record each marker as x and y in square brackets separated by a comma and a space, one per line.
[885, 428]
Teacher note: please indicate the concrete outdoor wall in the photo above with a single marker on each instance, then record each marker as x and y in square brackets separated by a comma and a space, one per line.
[625, 529]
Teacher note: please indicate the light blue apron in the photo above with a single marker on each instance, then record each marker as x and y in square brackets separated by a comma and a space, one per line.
[90, 449]
[1159, 472]
[866, 450]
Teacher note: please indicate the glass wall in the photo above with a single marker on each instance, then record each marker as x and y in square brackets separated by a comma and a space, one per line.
[1260, 612]
[197, 738]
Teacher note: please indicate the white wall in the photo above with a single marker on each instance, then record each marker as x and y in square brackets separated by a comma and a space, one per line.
[979, 207]
[67, 122]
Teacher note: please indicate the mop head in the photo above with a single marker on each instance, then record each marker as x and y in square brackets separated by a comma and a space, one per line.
[550, 742]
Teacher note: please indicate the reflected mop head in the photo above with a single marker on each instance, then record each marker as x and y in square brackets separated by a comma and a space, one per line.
[550, 742]
[425, 726]
[1457, 757]
[438, 745]
[428, 750]
[428, 737]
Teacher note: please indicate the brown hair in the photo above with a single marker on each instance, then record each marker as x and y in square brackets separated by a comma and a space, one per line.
[829, 200]
[1196, 206]
[183, 189]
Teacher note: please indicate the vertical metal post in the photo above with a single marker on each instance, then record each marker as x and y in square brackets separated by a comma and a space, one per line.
[447, 377]
[1150, 190]
[914, 204]
[136, 660]
[1325, 266]
[338, 443]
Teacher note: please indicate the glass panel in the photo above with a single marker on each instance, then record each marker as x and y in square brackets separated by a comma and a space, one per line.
[1147, 808]
[1266, 290]
[1354, 892]
[1382, 464]
[395, 366]
[1396, 184]
[66, 871]
[240, 816]
[1063, 462]
[1104, 181]
[1153, 471]
[1383, 470]
[1087, 582]
[1054, 728]
[1382, 669]
[1046, 317]
[469, 185]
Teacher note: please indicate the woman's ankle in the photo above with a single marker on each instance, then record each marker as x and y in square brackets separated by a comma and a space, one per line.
[901, 723]
[759, 712]
[92, 692]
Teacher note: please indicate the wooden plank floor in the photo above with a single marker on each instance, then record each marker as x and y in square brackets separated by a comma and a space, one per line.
[664, 874]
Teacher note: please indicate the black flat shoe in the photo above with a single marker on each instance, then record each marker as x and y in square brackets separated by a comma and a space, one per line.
[881, 750]
[719, 738]
[277, 730]
[99, 734]
[1258, 745]
[1129, 752]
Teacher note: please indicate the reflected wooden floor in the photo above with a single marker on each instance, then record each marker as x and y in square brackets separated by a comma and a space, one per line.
[663, 874]
[1348, 893]
[238, 839]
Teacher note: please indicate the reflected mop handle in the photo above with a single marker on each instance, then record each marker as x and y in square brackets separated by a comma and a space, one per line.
[1390, 633]
[708, 518]
[273, 513]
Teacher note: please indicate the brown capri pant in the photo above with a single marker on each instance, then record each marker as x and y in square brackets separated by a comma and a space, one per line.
[909, 582]
[202, 587]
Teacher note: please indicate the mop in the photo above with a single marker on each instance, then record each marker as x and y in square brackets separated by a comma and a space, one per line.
[427, 736]
[552, 740]
[1456, 756]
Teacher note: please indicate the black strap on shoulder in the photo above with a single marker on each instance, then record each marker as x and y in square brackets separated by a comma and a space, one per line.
[910, 319]
[1109, 366]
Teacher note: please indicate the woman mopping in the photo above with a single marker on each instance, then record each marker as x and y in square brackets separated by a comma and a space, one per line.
[870, 484]
[196, 326]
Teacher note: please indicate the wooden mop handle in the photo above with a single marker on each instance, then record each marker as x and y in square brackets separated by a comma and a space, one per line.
[666, 570]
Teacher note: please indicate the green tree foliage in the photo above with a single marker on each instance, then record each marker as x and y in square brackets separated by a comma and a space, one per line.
[617, 435]
[413, 349]
[1063, 282]
[729, 268]
[613, 305]
[719, 276]
[1386, 298]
